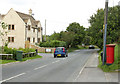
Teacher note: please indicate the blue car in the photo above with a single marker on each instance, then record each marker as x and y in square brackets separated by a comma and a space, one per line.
[60, 52]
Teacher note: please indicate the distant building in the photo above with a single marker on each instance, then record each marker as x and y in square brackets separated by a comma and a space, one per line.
[119, 3]
[22, 27]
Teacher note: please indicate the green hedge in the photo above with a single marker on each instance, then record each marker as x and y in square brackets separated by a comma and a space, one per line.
[26, 50]
[53, 43]
[13, 51]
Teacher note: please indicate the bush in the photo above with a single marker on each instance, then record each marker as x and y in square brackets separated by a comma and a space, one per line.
[13, 51]
[26, 50]
[53, 43]
[10, 51]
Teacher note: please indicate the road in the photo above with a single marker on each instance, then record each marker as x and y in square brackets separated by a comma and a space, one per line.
[48, 69]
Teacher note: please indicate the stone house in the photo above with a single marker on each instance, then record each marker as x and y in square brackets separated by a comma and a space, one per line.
[22, 28]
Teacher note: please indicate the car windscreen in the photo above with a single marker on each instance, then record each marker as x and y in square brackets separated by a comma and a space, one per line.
[59, 49]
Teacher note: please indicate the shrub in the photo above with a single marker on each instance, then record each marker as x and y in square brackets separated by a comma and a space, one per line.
[26, 50]
[13, 51]
[53, 43]
[10, 51]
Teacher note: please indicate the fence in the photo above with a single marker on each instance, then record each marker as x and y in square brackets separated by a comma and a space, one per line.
[6, 56]
[30, 54]
[13, 57]
[42, 49]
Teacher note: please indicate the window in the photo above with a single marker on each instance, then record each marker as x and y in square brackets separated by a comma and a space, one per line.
[12, 27]
[38, 29]
[28, 27]
[33, 30]
[28, 39]
[38, 40]
[33, 40]
[9, 27]
[10, 39]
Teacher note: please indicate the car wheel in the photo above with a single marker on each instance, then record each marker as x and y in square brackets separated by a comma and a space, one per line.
[54, 56]
[66, 55]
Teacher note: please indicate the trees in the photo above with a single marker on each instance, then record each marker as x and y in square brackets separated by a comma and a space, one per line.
[87, 40]
[53, 43]
[3, 35]
[96, 26]
[73, 35]
[67, 37]
[79, 33]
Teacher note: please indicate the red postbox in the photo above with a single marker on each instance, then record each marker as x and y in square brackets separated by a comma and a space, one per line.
[110, 53]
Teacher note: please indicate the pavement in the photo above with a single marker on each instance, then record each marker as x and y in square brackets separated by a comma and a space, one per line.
[91, 73]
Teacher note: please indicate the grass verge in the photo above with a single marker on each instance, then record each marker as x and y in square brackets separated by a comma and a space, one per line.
[72, 49]
[24, 59]
[115, 66]
[29, 58]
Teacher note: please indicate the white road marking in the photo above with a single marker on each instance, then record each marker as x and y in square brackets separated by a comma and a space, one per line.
[40, 67]
[82, 69]
[56, 61]
[80, 72]
[12, 77]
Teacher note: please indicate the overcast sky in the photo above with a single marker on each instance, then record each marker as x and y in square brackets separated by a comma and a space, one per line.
[58, 13]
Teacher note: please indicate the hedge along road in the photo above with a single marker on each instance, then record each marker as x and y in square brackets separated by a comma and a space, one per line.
[47, 69]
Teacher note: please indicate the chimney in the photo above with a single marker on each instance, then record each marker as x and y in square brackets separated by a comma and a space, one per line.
[30, 12]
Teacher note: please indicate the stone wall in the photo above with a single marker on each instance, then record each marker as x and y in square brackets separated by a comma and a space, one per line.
[42, 49]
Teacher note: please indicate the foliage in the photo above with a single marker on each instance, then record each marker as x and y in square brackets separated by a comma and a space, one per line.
[53, 43]
[54, 36]
[73, 35]
[87, 40]
[79, 33]
[24, 59]
[6, 61]
[115, 65]
[3, 34]
[29, 58]
[67, 37]
[96, 26]
[26, 50]
[14, 50]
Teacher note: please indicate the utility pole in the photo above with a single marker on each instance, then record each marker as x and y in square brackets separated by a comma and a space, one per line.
[119, 3]
[105, 30]
[45, 29]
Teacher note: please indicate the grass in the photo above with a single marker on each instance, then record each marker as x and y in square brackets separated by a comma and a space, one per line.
[7, 61]
[72, 49]
[24, 59]
[115, 66]
[29, 58]
[80, 47]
